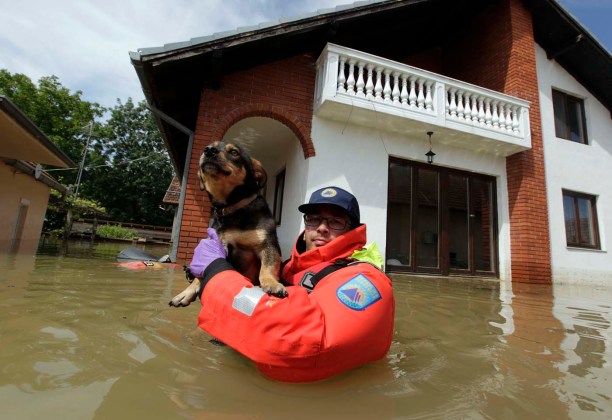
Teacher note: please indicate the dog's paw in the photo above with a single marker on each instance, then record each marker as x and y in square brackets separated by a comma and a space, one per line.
[275, 289]
[186, 296]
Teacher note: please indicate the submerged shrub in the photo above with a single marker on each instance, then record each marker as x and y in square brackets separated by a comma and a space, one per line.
[116, 232]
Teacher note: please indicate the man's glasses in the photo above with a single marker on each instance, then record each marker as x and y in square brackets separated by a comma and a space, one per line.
[334, 223]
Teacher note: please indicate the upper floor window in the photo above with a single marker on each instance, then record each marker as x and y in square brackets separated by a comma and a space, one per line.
[580, 220]
[570, 122]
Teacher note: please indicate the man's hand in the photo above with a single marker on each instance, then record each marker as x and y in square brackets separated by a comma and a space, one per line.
[207, 251]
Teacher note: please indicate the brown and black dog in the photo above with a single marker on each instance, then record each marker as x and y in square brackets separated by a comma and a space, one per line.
[241, 217]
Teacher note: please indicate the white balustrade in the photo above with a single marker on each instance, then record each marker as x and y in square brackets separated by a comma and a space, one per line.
[407, 89]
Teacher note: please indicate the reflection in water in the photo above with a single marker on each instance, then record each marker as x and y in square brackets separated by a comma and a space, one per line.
[82, 338]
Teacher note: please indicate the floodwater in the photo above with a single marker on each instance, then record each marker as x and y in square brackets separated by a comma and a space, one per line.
[81, 338]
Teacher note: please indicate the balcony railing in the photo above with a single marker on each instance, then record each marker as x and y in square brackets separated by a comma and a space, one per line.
[474, 116]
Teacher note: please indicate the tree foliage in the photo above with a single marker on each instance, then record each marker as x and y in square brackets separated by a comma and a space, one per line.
[127, 169]
[139, 171]
[63, 116]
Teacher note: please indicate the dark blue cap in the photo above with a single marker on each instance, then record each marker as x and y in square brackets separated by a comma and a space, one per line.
[337, 197]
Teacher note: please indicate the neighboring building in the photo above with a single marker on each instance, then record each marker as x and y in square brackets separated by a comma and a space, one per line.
[347, 97]
[24, 186]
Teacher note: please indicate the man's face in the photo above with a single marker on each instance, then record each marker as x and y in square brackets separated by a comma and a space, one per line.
[318, 230]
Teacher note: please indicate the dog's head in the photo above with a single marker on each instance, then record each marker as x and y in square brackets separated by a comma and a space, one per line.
[227, 173]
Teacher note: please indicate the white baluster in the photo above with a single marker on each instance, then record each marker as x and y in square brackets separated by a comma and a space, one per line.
[453, 103]
[421, 94]
[396, 89]
[460, 107]
[428, 96]
[481, 111]
[488, 112]
[515, 120]
[509, 112]
[341, 77]
[404, 94]
[370, 82]
[387, 88]
[502, 116]
[378, 86]
[413, 96]
[474, 109]
[495, 118]
[467, 111]
[360, 81]
[446, 102]
[350, 82]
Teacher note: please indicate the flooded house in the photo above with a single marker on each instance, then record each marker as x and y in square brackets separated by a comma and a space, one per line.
[24, 185]
[476, 135]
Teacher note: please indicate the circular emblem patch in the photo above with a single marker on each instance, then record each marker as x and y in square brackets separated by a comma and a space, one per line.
[328, 192]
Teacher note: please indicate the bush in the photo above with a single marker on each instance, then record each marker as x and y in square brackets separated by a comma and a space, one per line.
[116, 232]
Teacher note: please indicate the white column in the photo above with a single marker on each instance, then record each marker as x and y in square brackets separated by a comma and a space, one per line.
[502, 116]
[495, 118]
[460, 107]
[421, 94]
[467, 110]
[396, 91]
[378, 86]
[387, 88]
[412, 97]
[360, 81]
[341, 76]
[428, 96]
[452, 108]
[370, 82]
[404, 93]
[350, 81]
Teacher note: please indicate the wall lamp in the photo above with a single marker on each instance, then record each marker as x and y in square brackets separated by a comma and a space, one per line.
[430, 155]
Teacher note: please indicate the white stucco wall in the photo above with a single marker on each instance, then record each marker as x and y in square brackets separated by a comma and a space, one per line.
[576, 167]
[356, 158]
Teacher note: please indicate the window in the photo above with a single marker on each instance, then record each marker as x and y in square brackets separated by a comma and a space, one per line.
[278, 196]
[580, 220]
[570, 122]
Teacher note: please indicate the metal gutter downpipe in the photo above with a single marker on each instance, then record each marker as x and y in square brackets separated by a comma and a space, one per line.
[176, 228]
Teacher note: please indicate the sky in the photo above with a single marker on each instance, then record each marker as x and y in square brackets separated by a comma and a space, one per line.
[86, 43]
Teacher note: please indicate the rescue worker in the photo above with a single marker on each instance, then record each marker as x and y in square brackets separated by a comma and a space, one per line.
[340, 308]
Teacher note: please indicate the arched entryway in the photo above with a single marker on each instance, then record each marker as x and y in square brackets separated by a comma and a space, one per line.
[282, 154]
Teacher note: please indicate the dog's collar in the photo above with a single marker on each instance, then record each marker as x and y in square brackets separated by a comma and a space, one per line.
[224, 211]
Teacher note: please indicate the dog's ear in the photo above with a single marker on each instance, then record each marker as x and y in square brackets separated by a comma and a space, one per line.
[261, 177]
[201, 179]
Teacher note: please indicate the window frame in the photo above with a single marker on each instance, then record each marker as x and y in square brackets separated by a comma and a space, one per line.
[575, 195]
[279, 193]
[566, 100]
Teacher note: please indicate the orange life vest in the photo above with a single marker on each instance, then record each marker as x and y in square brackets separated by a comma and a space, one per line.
[346, 321]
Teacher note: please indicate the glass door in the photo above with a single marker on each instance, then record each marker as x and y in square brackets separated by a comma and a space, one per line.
[427, 220]
[440, 220]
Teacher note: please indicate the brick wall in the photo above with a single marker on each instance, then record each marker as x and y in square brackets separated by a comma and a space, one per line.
[498, 53]
[282, 91]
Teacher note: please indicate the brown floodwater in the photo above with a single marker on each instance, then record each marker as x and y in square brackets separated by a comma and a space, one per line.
[81, 338]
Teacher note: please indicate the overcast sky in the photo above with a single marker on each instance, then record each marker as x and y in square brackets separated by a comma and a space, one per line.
[86, 43]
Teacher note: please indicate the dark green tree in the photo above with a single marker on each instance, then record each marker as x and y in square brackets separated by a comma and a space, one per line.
[129, 169]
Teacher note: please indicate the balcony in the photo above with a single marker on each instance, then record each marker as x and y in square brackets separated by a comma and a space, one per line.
[375, 92]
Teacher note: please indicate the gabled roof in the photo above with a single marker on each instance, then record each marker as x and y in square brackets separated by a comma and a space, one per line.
[172, 76]
[173, 192]
[20, 139]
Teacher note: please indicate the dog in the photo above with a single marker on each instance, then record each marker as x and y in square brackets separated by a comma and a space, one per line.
[245, 225]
